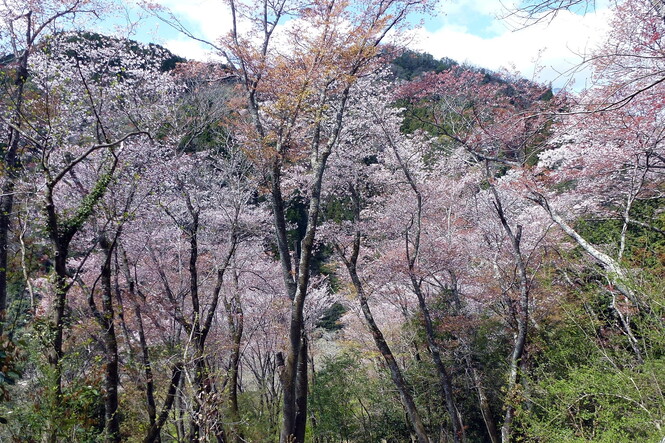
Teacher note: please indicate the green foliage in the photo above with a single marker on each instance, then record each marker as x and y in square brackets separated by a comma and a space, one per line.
[260, 414]
[330, 318]
[481, 343]
[350, 403]
[10, 371]
[205, 109]
[645, 247]
[338, 209]
[601, 402]
[77, 412]
[411, 64]
[85, 209]
[333, 397]
[586, 383]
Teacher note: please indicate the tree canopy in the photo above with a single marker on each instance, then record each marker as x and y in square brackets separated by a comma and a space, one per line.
[325, 236]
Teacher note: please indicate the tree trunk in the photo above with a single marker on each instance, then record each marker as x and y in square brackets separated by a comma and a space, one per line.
[615, 271]
[485, 410]
[106, 321]
[57, 326]
[10, 170]
[395, 372]
[476, 375]
[147, 369]
[153, 435]
[145, 355]
[236, 432]
[235, 320]
[194, 328]
[198, 394]
[445, 379]
[412, 252]
[522, 316]
[301, 392]
[6, 205]
[61, 231]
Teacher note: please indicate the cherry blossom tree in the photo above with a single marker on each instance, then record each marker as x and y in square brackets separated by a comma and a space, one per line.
[93, 103]
[355, 180]
[25, 25]
[499, 122]
[296, 101]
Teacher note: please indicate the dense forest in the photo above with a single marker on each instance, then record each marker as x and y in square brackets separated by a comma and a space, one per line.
[325, 237]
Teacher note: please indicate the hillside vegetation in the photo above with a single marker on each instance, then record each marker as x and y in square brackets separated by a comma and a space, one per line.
[327, 237]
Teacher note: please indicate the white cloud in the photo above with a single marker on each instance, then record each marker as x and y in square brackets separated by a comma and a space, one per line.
[189, 49]
[466, 31]
[212, 18]
[556, 46]
[454, 8]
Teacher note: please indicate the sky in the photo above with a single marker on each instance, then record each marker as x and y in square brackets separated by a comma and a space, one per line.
[468, 31]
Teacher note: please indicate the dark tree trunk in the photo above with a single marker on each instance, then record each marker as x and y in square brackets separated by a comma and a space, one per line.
[485, 409]
[445, 379]
[301, 392]
[289, 377]
[153, 435]
[476, 375]
[199, 326]
[55, 353]
[61, 232]
[522, 315]
[235, 320]
[145, 355]
[234, 410]
[147, 368]
[6, 205]
[10, 174]
[198, 394]
[180, 410]
[395, 372]
[106, 321]
[412, 251]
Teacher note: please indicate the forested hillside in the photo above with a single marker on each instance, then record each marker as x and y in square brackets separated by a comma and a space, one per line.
[325, 237]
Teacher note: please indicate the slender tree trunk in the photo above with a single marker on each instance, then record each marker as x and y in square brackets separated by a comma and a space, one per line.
[6, 205]
[147, 368]
[61, 232]
[106, 320]
[302, 386]
[198, 394]
[319, 158]
[476, 375]
[412, 252]
[312, 381]
[153, 435]
[615, 271]
[194, 328]
[10, 172]
[180, 409]
[235, 320]
[55, 354]
[145, 354]
[234, 410]
[445, 379]
[289, 365]
[199, 326]
[522, 316]
[485, 409]
[395, 372]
